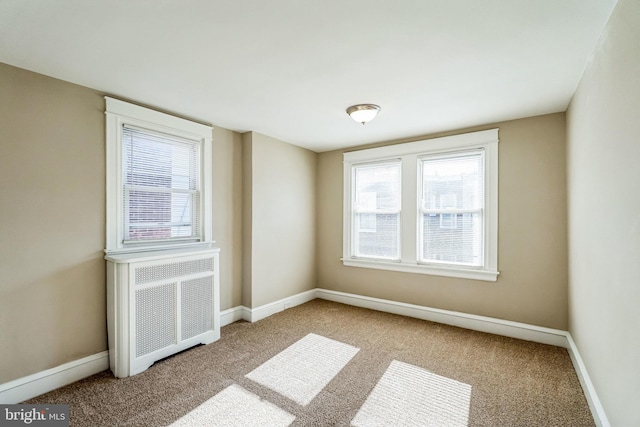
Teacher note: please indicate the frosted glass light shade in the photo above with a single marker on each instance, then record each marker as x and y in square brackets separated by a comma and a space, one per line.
[363, 113]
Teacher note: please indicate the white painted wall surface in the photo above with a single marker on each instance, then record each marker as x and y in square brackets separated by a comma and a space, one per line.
[603, 157]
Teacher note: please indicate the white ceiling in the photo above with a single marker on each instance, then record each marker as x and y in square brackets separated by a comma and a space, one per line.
[290, 68]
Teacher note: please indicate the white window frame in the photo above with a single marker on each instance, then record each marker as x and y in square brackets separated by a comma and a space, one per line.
[119, 113]
[409, 154]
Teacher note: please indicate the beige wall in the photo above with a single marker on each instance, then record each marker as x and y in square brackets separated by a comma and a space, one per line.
[603, 123]
[281, 219]
[227, 213]
[532, 247]
[247, 217]
[52, 221]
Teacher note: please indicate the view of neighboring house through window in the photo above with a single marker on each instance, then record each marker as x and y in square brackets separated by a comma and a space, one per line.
[160, 186]
[377, 210]
[452, 208]
[424, 207]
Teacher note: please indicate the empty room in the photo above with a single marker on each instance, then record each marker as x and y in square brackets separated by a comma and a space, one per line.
[319, 213]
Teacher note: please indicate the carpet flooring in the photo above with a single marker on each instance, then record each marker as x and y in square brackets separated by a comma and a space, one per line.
[403, 370]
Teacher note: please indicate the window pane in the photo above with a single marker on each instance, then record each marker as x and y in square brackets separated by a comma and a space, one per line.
[381, 241]
[376, 230]
[452, 228]
[377, 187]
[160, 178]
[453, 182]
[452, 238]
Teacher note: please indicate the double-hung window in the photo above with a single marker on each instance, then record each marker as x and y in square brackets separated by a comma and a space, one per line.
[424, 207]
[158, 174]
[452, 208]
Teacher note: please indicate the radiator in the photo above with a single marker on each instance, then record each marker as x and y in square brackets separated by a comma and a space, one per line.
[160, 303]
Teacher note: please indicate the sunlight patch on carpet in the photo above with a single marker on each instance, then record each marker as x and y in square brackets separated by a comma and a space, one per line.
[408, 395]
[235, 406]
[303, 369]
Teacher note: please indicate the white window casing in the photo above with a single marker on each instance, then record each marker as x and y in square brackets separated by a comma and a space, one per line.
[480, 258]
[188, 146]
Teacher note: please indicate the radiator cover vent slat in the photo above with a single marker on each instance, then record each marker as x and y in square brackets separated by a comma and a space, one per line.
[155, 318]
[196, 306]
[171, 270]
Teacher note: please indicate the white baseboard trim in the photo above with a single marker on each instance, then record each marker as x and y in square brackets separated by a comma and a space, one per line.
[234, 314]
[468, 321]
[267, 310]
[25, 388]
[254, 314]
[599, 416]
[463, 320]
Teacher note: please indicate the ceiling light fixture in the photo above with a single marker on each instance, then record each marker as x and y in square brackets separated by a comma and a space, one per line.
[362, 113]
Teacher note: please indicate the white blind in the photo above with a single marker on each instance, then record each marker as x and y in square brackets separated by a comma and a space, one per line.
[376, 213]
[160, 186]
[452, 208]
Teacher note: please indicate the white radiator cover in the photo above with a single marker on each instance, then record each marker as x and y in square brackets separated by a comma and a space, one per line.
[160, 303]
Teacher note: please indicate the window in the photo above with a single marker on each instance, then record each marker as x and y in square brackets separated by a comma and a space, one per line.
[376, 212]
[452, 207]
[158, 175]
[424, 207]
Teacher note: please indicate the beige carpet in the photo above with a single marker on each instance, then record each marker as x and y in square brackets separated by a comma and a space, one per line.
[236, 407]
[303, 370]
[404, 369]
[409, 395]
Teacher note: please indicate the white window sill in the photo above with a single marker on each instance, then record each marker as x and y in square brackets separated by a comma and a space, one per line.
[162, 253]
[462, 273]
[160, 248]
